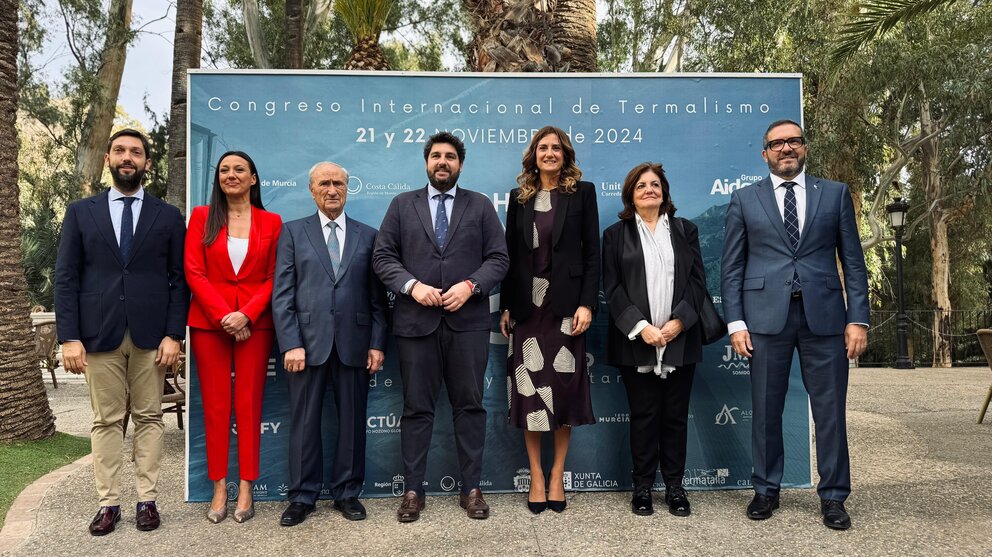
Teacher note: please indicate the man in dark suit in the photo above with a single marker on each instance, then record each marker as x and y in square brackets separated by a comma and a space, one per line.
[330, 319]
[782, 292]
[442, 249]
[121, 303]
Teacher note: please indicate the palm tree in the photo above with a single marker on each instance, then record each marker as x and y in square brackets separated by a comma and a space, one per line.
[876, 18]
[24, 410]
[185, 55]
[365, 20]
[294, 33]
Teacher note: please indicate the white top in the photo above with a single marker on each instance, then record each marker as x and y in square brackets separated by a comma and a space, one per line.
[341, 221]
[659, 270]
[114, 197]
[237, 250]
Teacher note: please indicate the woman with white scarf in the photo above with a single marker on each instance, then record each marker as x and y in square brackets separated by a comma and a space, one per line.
[654, 283]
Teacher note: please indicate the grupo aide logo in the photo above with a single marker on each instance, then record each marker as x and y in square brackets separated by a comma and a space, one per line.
[727, 186]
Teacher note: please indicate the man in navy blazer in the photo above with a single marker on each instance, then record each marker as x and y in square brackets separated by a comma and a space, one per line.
[120, 304]
[329, 311]
[442, 249]
[781, 292]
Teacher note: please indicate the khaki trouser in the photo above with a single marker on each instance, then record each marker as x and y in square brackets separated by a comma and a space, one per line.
[111, 377]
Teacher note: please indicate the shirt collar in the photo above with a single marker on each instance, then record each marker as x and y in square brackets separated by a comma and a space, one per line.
[664, 221]
[324, 219]
[432, 191]
[800, 180]
[114, 194]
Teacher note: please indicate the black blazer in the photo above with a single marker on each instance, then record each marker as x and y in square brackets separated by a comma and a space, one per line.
[625, 285]
[407, 249]
[98, 295]
[574, 259]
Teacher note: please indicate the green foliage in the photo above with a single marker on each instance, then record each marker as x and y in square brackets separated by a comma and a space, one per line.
[877, 17]
[364, 18]
[23, 462]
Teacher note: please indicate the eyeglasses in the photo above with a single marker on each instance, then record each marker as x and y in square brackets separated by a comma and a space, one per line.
[779, 144]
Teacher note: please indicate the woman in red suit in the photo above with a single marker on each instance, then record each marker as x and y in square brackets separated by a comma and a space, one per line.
[230, 262]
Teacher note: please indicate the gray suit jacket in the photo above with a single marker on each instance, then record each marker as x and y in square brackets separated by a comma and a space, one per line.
[314, 311]
[758, 261]
[407, 249]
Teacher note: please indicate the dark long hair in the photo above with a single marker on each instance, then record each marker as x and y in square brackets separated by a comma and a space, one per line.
[217, 214]
[528, 179]
[627, 194]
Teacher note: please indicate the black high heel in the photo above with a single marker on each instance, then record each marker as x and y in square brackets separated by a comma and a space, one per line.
[557, 506]
[537, 508]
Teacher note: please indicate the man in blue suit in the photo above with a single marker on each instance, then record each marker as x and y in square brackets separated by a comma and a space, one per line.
[121, 303]
[781, 292]
[442, 249]
[329, 311]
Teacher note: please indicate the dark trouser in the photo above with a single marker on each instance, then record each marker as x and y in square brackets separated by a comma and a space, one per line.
[459, 359]
[306, 450]
[659, 414]
[823, 360]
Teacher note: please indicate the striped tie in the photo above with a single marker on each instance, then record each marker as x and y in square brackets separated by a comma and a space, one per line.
[334, 247]
[792, 224]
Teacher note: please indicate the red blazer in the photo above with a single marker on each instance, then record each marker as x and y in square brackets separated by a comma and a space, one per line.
[217, 291]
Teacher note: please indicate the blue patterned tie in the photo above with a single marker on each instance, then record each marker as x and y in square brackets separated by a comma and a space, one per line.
[441, 220]
[334, 247]
[127, 227]
[792, 225]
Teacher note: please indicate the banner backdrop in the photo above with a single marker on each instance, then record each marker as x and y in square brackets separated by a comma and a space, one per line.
[705, 129]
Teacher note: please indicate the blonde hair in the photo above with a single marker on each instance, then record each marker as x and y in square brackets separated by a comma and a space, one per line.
[529, 177]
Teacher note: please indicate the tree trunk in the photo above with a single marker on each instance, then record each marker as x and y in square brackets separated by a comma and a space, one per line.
[294, 34]
[574, 32]
[185, 55]
[254, 31]
[940, 281]
[24, 410]
[100, 118]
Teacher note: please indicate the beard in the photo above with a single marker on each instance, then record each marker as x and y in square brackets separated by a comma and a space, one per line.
[443, 185]
[127, 183]
[787, 167]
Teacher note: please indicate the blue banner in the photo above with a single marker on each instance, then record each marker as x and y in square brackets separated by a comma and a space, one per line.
[705, 129]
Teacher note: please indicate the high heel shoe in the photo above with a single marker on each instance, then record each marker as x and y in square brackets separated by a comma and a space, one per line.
[218, 516]
[241, 516]
[557, 506]
[537, 508]
[247, 514]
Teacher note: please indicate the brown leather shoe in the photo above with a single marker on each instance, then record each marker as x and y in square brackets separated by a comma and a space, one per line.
[473, 503]
[147, 516]
[105, 520]
[411, 506]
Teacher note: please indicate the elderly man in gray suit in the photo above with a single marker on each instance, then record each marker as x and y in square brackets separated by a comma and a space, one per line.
[330, 317]
[442, 249]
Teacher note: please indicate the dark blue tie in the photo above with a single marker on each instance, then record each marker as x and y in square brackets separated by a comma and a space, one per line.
[441, 220]
[792, 224]
[127, 227]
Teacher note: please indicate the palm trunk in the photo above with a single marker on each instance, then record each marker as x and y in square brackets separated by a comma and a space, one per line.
[186, 54]
[24, 410]
[294, 34]
[254, 31]
[574, 31]
[100, 118]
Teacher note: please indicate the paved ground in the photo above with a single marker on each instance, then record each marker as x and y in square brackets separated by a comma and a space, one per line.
[922, 486]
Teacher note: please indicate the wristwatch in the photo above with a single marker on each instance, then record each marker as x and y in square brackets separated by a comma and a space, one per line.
[476, 289]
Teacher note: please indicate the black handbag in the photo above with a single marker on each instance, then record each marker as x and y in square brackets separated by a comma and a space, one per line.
[712, 325]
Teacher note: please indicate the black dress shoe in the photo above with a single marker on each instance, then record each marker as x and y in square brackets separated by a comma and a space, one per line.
[351, 508]
[640, 503]
[678, 501]
[105, 520]
[834, 514]
[147, 518]
[761, 506]
[295, 513]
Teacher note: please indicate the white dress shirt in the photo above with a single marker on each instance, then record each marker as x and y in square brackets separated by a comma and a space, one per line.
[659, 271]
[117, 209]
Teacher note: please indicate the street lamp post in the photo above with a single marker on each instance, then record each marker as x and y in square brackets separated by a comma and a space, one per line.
[897, 217]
